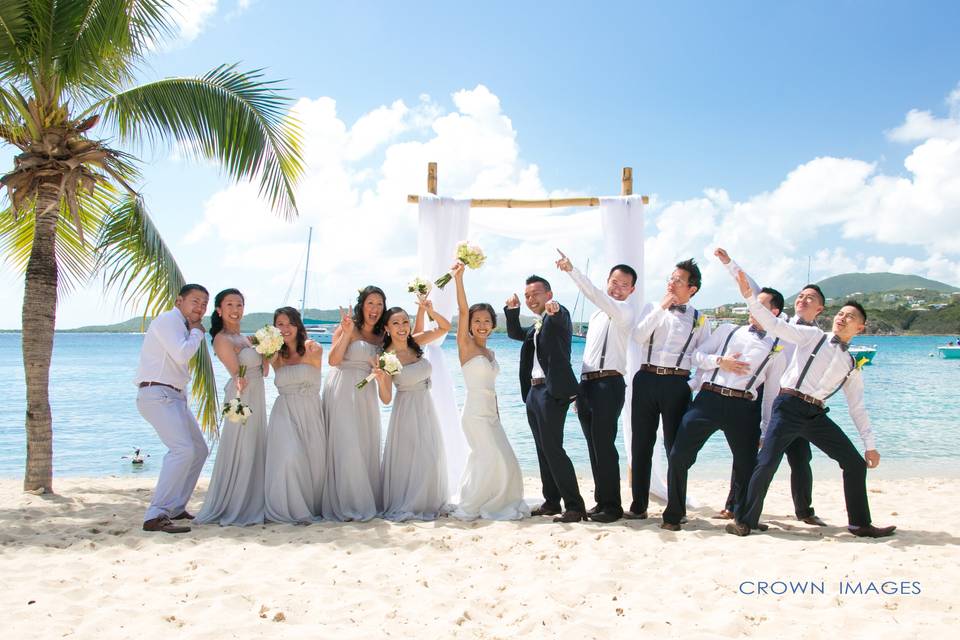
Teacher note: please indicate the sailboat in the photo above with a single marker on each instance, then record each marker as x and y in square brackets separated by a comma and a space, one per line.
[318, 330]
[580, 333]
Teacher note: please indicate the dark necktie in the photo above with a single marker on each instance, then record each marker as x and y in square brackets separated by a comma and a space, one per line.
[760, 332]
[837, 341]
[682, 308]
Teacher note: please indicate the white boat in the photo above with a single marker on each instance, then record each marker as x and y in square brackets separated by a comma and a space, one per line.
[949, 352]
[318, 330]
[859, 351]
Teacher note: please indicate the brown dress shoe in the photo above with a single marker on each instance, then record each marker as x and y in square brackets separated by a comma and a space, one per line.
[545, 510]
[630, 515]
[183, 515]
[163, 523]
[570, 516]
[726, 514]
[871, 531]
[814, 519]
[737, 529]
[669, 526]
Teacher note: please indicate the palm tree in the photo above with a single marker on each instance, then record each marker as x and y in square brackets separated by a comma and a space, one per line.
[67, 70]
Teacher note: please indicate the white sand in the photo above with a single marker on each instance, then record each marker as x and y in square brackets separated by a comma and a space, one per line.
[77, 565]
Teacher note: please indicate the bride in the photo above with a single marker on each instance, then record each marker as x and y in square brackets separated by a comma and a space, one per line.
[491, 486]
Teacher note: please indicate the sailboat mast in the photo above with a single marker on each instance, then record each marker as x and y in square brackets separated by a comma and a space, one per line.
[306, 273]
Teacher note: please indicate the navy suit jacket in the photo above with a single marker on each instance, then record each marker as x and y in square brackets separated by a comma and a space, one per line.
[553, 352]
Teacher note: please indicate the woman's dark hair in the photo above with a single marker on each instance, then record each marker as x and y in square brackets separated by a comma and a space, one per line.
[293, 316]
[387, 341]
[481, 306]
[365, 293]
[216, 320]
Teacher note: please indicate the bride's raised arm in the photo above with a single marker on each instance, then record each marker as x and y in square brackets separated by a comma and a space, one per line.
[463, 312]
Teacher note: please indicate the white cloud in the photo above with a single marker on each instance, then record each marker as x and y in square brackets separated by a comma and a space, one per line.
[192, 17]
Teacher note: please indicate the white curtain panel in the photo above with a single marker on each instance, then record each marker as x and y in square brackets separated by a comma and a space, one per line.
[621, 220]
[443, 223]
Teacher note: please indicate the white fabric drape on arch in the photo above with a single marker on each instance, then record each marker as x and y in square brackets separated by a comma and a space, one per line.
[621, 221]
[443, 223]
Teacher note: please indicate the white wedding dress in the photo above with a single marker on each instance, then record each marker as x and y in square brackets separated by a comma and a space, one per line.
[492, 485]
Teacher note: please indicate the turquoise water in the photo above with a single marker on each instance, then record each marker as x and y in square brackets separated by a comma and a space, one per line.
[912, 399]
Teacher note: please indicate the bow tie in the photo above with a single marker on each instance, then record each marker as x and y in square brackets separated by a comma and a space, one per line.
[760, 332]
[804, 323]
[682, 308]
[837, 341]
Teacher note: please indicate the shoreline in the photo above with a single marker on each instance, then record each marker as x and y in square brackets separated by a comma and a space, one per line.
[77, 563]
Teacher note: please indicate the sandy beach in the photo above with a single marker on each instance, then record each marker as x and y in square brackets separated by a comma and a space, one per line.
[76, 564]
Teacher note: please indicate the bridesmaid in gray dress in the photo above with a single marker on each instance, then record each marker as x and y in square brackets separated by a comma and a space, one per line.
[235, 495]
[414, 464]
[352, 417]
[296, 436]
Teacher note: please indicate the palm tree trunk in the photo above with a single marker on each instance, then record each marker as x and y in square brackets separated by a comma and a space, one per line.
[39, 318]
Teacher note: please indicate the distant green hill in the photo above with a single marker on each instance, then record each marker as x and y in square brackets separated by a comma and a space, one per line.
[847, 284]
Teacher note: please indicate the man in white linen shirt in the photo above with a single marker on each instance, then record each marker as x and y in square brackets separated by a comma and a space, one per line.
[820, 367]
[162, 377]
[668, 334]
[807, 307]
[601, 393]
[739, 360]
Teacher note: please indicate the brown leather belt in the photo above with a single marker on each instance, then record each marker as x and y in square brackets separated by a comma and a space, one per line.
[159, 384]
[817, 402]
[596, 375]
[536, 382]
[664, 371]
[726, 392]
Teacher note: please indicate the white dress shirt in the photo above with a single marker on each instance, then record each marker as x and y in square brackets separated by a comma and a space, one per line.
[537, 370]
[670, 331]
[613, 322]
[167, 349]
[766, 352]
[831, 369]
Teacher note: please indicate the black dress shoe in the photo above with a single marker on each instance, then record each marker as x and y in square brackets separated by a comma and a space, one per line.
[738, 529]
[630, 515]
[163, 523]
[594, 510]
[183, 515]
[545, 510]
[605, 516]
[571, 516]
[669, 526]
[762, 527]
[871, 531]
[814, 519]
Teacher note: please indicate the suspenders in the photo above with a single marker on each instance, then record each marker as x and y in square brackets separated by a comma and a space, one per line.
[683, 352]
[756, 373]
[806, 367]
[853, 367]
[723, 352]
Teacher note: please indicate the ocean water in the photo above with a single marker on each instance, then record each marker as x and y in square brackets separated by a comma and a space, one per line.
[912, 399]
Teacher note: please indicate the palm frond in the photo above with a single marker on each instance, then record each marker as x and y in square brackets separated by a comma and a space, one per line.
[14, 36]
[75, 258]
[235, 117]
[137, 264]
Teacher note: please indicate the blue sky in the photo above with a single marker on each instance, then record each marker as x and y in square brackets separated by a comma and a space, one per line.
[778, 130]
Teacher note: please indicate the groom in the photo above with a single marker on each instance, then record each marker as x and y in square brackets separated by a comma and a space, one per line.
[162, 376]
[547, 385]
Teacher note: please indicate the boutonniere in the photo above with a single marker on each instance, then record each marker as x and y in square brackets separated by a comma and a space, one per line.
[778, 348]
[862, 361]
[537, 324]
[701, 320]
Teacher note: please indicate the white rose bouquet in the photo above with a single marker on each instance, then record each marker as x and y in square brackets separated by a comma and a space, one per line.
[267, 341]
[389, 362]
[420, 287]
[235, 410]
[469, 254]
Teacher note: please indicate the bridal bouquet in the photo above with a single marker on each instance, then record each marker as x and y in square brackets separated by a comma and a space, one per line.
[469, 254]
[419, 286]
[389, 362]
[235, 410]
[267, 341]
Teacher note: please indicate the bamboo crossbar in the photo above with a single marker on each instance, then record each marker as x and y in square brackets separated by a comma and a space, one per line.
[626, 189]
[510, 203]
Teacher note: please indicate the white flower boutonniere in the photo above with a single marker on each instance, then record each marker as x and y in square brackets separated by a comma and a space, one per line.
[537, 324]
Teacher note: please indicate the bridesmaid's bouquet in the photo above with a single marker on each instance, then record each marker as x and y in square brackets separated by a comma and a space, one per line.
[419, 286]
[235, 410]
[469, 254]
[389, 362]
[267, 341]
